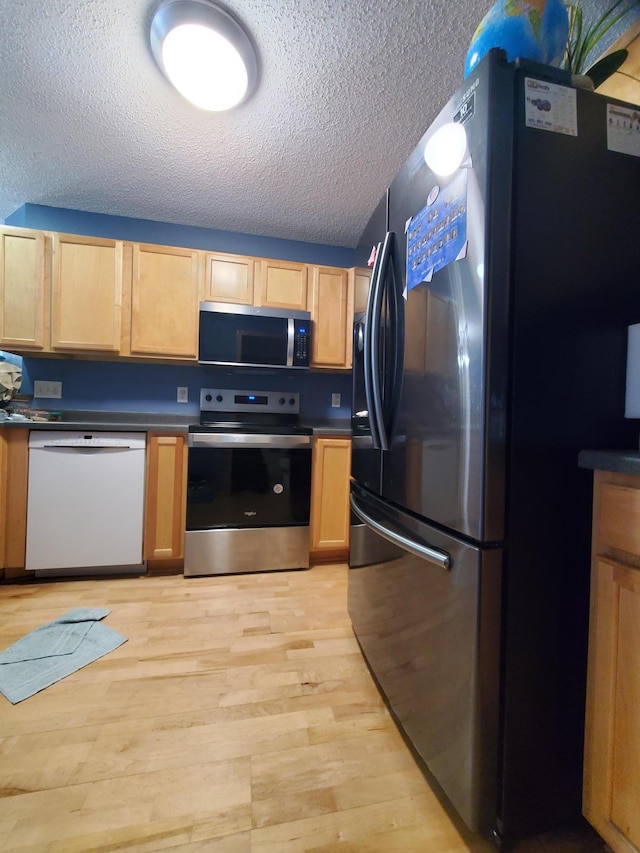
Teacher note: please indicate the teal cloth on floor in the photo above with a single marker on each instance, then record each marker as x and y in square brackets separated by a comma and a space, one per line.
[55, 650]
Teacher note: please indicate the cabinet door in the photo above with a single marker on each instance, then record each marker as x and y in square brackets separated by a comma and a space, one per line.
[14, 465]
[164, 301]
[612, 743]
[332, 316]
[229, 278]
[86, 293]
[282, 285]
[166, 501]
[361, 282]
[24, 288]
[330, 495]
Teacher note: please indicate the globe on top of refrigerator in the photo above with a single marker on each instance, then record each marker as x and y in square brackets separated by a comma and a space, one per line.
[531, 29]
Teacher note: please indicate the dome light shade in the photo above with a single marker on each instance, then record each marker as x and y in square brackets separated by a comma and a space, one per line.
[204, 52]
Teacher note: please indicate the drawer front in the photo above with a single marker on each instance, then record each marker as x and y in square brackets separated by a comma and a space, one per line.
[620, 518]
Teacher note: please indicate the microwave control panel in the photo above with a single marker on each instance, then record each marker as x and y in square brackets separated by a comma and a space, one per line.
[301, 343]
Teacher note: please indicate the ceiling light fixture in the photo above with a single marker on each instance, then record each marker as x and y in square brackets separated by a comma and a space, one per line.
[205, 52]
[445, 151]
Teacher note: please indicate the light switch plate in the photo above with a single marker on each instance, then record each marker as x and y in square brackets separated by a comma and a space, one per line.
[335, 401]
[47, 389]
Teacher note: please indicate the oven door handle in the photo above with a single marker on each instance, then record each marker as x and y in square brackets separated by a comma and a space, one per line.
[243, 439]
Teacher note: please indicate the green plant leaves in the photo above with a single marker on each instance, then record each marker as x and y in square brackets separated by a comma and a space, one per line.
[582, 40]
[605, 67]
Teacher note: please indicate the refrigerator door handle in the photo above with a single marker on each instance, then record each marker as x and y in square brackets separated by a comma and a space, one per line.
[374, 343]
[396, 305]
[368, 345]
[438, 558]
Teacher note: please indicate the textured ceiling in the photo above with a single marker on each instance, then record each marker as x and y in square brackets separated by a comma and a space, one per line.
[87, 121]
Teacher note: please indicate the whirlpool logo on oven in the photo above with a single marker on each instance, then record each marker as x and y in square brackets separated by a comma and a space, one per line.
[250, 513]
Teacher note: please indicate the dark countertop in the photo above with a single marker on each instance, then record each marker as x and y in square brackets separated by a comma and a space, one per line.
[619, 461]
[329, 426]
[111, 421]
[143, 421]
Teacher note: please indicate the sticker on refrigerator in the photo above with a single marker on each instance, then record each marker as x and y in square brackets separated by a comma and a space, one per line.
[548, 106]
[437, 235]
[623, 129]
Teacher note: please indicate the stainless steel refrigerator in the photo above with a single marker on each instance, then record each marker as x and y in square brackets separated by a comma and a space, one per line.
[492, 351]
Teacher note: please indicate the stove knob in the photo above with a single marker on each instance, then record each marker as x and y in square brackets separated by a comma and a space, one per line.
[292, 401]
[208, 398]
[219, 398]
[281, 401]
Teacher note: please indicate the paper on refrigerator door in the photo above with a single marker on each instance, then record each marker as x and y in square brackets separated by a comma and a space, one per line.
[623, 129]
[632, 401]
[437, 235]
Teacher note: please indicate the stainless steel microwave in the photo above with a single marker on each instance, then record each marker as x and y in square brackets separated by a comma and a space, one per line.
[244, 336]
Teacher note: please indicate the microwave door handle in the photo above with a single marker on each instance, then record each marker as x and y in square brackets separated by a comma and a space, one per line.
[290, 341]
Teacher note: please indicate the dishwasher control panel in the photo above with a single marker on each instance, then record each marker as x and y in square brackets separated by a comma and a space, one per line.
[78, 438]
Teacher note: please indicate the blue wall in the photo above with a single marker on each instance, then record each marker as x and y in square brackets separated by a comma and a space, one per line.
[170, 234]
[130, 387]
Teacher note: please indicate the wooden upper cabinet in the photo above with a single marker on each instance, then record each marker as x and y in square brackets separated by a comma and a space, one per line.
[332, 316]
[361, 282]
[164, 301]
[229, 278]
[24, 289]
[87, 282]
[282, 285]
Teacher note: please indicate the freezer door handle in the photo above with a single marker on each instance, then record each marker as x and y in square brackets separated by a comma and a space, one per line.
[438, 558]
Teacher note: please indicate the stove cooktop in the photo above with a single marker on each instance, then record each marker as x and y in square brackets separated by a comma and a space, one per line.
[250, 412]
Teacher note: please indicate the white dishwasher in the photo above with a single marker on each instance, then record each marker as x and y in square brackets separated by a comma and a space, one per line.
[85, 503]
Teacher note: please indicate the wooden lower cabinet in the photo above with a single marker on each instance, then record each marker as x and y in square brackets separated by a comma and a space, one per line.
[166, 494]
[611, 794]
[14, 469]
[331, 471]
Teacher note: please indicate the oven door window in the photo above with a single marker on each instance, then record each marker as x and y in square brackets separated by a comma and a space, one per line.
[240, 339]
[248, 487]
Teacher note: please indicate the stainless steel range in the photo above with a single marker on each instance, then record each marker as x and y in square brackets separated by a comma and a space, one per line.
[249, 484]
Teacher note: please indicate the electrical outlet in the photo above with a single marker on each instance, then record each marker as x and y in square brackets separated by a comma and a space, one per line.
[183, 394]
[335, 401]
[50, 389]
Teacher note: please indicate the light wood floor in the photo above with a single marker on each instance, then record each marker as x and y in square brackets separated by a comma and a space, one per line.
[238, 717]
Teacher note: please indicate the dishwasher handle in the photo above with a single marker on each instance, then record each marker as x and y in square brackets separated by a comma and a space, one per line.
[85, 448]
